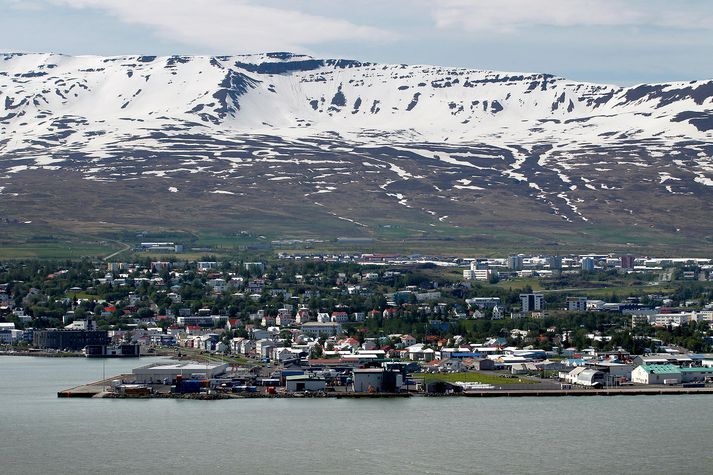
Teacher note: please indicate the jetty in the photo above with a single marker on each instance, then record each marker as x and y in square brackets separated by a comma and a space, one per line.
[97, 389]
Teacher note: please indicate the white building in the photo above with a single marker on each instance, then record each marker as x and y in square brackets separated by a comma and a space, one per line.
[157, 373]
[477, 274]
[656, 374]
[318, 329]
[532, 302]
[577, 304]
[303, 382]
[368, 380]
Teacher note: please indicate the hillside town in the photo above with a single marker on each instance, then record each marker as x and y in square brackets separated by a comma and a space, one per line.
[373, 323]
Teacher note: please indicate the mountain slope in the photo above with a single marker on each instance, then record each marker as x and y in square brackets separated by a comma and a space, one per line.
[295, 146]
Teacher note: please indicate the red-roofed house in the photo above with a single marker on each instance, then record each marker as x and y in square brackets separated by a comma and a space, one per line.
[340, 317]
[390, 312]
[408, 340]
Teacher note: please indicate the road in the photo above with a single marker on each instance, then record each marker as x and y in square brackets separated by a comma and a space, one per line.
[126, 247]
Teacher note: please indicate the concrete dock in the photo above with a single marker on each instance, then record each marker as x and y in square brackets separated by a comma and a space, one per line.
[628, 391]
[95, 389]
[102, 388]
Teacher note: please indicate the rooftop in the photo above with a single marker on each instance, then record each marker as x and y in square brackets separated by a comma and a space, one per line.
[661, 368]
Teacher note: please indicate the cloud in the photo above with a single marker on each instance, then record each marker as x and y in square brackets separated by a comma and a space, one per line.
[22, 5]
[507, 16]
[233, 26]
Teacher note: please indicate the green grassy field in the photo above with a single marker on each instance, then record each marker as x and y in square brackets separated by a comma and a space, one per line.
[67, 250]
[493, 379]
[393, 236]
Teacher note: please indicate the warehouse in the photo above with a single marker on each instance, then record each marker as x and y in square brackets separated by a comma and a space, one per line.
[368, 380]
[656, 374]
[303, 382]
[158, 373]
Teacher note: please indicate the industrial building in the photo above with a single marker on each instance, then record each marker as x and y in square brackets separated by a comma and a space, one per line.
[670, 374]
[375, 380]
[74, 340]
[118, 351]
[304, 382]
[158, 373]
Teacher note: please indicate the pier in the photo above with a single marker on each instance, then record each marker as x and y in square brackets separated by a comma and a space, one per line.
[629, 391]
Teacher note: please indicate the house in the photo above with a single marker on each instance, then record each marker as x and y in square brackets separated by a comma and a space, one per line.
[340, 317]
[452, 365]
[218, 285]
[408, 340]
[256, 286]
[286, 354]
[498, 313]
[370, 344]
[349, 344]
[236, 345]
[284, 317]
[417, 352]
[303, 316]
[248, 347]
[390, 313]
[260, 334]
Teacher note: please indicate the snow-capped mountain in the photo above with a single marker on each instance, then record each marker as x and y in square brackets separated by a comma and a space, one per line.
[439, 144]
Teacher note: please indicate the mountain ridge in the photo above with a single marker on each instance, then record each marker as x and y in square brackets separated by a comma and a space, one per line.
[427, 145]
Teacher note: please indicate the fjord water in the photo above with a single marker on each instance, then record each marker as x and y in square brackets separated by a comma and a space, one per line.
[43, 434]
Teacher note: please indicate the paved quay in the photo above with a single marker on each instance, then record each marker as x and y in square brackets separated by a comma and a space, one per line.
[628, 391]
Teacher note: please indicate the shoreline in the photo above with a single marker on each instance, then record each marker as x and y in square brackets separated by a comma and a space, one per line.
[98, 389]
[351, 395]
[44, 354]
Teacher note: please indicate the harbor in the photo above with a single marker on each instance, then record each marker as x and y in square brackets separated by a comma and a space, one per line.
[29, 386]
[210, 381]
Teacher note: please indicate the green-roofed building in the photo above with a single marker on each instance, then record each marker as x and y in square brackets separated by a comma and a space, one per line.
[670, 374]
[697, 374]
[657, 374]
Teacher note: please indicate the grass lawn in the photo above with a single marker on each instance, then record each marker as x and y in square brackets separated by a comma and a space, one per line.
[83, 295]
[519, 284]
[493, 379]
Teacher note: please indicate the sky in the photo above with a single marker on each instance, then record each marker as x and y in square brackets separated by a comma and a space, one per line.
[621, 42]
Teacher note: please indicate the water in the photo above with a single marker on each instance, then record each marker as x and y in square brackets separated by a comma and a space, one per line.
[40, 433]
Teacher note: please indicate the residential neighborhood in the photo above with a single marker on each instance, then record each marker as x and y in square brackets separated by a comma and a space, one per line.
[377, 323]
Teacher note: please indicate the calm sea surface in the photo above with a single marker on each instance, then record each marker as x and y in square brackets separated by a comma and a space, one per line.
[40, 433]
